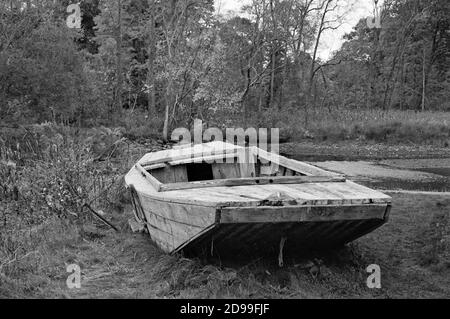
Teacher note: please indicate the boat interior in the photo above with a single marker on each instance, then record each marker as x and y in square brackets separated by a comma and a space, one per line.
[204, 171]
[224, 178]
[209, 167]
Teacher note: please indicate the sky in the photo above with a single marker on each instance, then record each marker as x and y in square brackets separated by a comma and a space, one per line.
[331, 39]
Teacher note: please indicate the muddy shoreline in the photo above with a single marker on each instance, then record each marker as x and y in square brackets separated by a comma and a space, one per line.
[359, 150]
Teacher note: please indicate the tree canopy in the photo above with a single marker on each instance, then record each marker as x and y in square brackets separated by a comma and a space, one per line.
[177, 60]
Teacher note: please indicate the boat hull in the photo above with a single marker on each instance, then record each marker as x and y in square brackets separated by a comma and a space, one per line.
[193, 201]
[198, 230]
[250, 239]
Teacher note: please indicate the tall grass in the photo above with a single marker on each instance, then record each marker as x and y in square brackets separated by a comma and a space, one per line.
[338, 124]
[48, 173]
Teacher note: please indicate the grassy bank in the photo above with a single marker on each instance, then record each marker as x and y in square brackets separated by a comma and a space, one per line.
[412, 251]
[350, 124]
[319, 125]
[49, 173]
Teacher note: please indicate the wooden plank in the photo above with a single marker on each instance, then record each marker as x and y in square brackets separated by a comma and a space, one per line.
[164, 175]
[247, 160]
[269, 170]
[311, 196]
[237, 195]
[302, 198]
[162, 239]
[153, 181]
[179, 232]
[154, 166]
[251, 181]
[192, 215]
[135, 178]
[348, 190]
[355, 196]
[317, 191]
[200, 150]
[370, 193]
[220, 158]
[201, 197]
[289, 172]
[179, 174]
[292, 164]
[194, 197]
[202, 233]
[226, 170]
[171, 174]
[326, 192]
[251, 195]
[269, 214]
[281, 171]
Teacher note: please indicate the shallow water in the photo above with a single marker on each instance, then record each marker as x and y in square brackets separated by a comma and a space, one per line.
[443, 171]
[441, 185]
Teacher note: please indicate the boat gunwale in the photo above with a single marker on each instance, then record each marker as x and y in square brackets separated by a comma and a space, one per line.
[250, 203]
[309, 171]
[158, 190]
[248, 181]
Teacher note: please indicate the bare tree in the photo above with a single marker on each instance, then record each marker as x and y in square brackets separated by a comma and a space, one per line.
[119, 66]
[151, 59]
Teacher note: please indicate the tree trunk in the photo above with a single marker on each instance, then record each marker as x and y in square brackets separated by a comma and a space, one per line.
[423, 79]
[316, 46]
[272, 73]
[402, 83]
[427, 70]
[168, 99]
[151, 61]
[170, 83]
[118, 98]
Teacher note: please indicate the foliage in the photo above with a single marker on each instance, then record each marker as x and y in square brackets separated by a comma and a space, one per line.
[168, 62]
[406, 62]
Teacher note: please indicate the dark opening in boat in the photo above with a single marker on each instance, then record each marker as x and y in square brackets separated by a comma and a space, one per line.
[199, 172]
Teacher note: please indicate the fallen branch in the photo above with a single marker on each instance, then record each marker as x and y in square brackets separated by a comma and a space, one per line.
[100, 217]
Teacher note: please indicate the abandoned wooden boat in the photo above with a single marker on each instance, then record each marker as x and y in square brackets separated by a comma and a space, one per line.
[217, 198]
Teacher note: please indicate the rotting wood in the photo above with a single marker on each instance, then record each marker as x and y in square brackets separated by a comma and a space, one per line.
[154, 166]
[251, 181]
[292, 164]
[184, 214]
[179, 231]
[269, 214]
[188, 153]
[206, 230]
[179, 174]
[198, 216]
[207, 159]
[247, 160]
[148, 177]
[226, 170]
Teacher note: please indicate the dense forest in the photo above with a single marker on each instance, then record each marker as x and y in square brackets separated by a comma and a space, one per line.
[155, 65]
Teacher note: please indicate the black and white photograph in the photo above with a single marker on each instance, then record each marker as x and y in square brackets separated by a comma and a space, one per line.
[218, 157]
